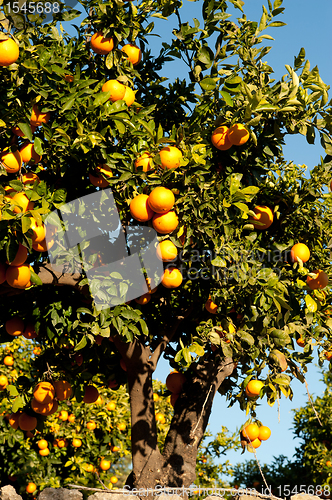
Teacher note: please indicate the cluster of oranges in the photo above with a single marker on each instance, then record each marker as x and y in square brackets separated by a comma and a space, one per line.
[158, 207]
[224, 138]
[253, 435]
[16, 327]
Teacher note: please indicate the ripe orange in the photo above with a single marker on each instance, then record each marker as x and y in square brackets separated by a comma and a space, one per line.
[14, 326]
[11, 161]
[69, 78]
[13, 420]
[143, 299]
[3, 382]
[77, 443]
[44, 392]
[320, 281]
[37, 117]
[264, 433]
[301, 342]
[238, 134]
[172, 278]
[98, 181]
[328, 463]
[111, 405]
[160, 417]
[161, 200]
[114, 480]
[29, 332]
[144, 161]
[264, 215]
[115, 449]
[175, 381]
[31, 488]
[89, 467]
[91, 425]
[251, 432]
[170, 157]
[41, 246]
[121, 426]
[71, 418]
[2, 273]
[220, 138]
[8, 360]
[28, 153]
[63, 415]
[62, 443]
[20, 257]
[63, 390]
[174, 398]
[91, 394]
[44, 452]
[140, 208]
[211, 307]
[105, 464]
[42, 444]
[253, 387]
[18, 276]
[9, 52]
[167, 251]
[116, 88]
[328, 355]
[165, 223]
[301, 251]
[255, 443]
[100, 44]
[27, 422]
[23, 203]
[133, 53]
[129, 96]
[30, 178]
[38, 232]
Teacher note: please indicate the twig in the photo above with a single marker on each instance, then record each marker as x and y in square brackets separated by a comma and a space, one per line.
[311, 402]
[278, 401]
[192, 432]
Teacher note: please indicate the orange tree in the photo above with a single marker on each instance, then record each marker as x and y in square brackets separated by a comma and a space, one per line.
[247, 226]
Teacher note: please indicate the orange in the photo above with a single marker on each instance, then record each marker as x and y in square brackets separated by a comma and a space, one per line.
[28, 153]
[44, 392]
[172, 278]
[20, 257]
[160, 417]
[30, 488]
[251, 432]
[91, 394]
[111, 405]
[174, 398]
[91, 425]
[8, 361]
[2, 273]
[328, 355]
[38, 232]
[220, 138]
[121, 426]
[63, 415]
[328, 463]
[29, 332]
[143, 299]
[18, 276]
[23, 203]
[255, 443]
[13, 420]
[88, 467]
[98, 181]
[100, 44]
[161, 200]
[9, 52]
[63, 390]
[76, 442]
[69, 78]
[41, 246]
[42, 444]
[30, 178]
[140, 208]
[254, 387]
[44, 452]
[133, 53]
[264, 433]
[116, 88]
[14, 326]
[62, 443]
[115, 449]
[114, 480]
[167, 251]
[264, 216]
[105, 464]
[301, 251]
[144, 161]
[3, 382]
[37, 117]
[175, 381]
[71, 418]
[170, 157]
[129, 96]
[210, 306]
[165, 223]
[155, 397]
[11, 161]
[320, 281]
[300, 342]
[238, 134]
[17, 131]
[27, 422]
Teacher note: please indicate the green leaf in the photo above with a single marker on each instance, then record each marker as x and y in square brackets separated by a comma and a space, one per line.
[226, 96]
[38, 146]
[34, 278]
[219, 262]
[82, 343]
[101, 98]
[12, 390]
[18, 404]
[247, 337]
[208, 83]
[26, 129]
[205, 56]
[68, 104]
[186, 355]
[311, 303]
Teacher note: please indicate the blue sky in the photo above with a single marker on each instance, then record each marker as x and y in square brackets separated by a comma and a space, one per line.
[308, 26]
